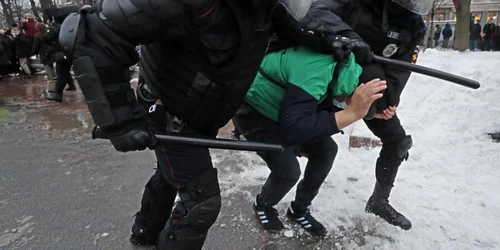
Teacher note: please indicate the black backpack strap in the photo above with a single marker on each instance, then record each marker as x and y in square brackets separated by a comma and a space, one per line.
[269, 78]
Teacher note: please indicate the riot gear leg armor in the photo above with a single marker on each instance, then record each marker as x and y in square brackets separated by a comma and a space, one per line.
[191, 218]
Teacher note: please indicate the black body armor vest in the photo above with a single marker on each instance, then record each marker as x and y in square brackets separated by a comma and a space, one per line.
[202, 95]
[390, 43]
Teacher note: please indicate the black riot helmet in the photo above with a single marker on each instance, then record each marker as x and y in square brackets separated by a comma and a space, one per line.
[421, 7]
[297, 9]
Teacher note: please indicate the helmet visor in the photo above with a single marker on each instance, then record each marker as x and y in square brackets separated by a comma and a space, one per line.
[297, 8]
[422, 7]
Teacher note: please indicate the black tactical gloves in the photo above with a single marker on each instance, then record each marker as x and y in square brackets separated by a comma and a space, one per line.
[136, 135]
[343, 46]
[362, 51]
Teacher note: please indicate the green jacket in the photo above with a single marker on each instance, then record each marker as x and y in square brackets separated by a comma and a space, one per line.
[308, 70]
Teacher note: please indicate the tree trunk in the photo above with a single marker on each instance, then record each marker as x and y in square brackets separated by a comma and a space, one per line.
[7, 11]
[463, 25]
[431, 32]
[46, 4]
[34, 9]
[18, 11]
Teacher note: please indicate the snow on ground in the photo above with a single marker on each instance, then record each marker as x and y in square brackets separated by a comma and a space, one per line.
[450, 186]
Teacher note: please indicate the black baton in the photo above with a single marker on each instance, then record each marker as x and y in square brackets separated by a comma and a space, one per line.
[428, 71]
[208, 143]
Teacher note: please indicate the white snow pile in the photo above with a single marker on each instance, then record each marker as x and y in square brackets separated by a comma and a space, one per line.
[450, 186]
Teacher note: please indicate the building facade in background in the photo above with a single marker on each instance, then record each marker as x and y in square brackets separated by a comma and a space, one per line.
[482, 10]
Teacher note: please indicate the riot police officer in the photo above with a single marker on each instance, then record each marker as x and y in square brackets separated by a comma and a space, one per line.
[393, 29]
[198, 60]
[63, 65]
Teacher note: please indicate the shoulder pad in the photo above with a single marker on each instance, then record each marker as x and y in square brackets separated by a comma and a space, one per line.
[67, 33]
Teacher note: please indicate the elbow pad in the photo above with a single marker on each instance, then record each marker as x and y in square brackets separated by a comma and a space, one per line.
[107, 93]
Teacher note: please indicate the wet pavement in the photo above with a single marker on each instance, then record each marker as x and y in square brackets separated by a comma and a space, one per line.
[27, 97]
[61, 190]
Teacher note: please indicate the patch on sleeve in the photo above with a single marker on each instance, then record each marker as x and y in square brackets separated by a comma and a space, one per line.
[414, 56]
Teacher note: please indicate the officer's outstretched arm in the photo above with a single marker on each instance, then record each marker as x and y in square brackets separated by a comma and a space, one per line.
[100, 41]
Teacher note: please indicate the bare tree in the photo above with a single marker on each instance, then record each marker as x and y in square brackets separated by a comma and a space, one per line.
[463, 24]
[18, 9]
[46, 4]
[34, 8]
[7, 11]
[2, 18]
[436, 6]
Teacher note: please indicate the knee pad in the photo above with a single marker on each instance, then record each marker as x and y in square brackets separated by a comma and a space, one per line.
[202, 201]
[203, 215]
[398, 149]
[403, 147]
[197, 210]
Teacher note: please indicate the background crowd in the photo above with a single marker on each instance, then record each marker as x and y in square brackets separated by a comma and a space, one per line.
[18, 45]
[481, 38]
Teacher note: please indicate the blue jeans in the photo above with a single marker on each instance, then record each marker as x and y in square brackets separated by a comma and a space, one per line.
[446, 41]
[472, 44]
[488, 44]
[285, 169]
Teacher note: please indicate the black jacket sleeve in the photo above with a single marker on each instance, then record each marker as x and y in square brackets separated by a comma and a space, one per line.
[319, 26]
[299, 123]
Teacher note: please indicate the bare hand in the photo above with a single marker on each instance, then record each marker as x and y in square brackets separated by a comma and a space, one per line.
[364, 96]
[387, 114]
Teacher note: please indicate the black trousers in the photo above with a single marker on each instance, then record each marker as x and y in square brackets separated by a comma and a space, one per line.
[12, 68]
[177, 165]
[185, 170]
[285, 169]
[391, 133]
[63, 76]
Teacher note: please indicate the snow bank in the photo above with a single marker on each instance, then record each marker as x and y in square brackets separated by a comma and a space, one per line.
[450, 186]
